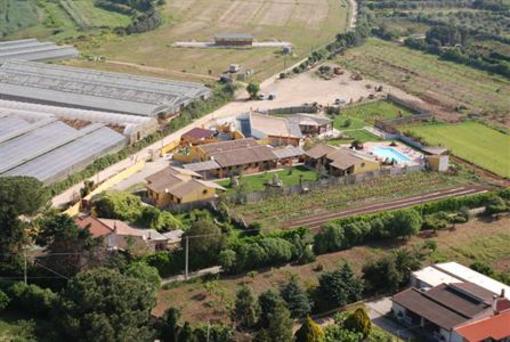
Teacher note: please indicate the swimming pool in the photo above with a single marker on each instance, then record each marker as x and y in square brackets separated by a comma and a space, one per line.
[391, 153]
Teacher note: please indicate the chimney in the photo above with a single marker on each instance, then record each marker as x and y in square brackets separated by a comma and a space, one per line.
[495, 304]
[115, 227]
[502, 293]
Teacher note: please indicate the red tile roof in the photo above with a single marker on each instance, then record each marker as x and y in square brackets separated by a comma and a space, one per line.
[95, 227]
[496, 327]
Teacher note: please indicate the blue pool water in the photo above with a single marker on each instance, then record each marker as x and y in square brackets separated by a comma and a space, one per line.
[391, 153]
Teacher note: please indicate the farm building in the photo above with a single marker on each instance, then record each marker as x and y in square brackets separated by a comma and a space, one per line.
[96, 90]
[340, 161]
[133, 127]
[291, 129]
[177, 186]
[233, 39]
[34, 50]
[50, 150]
[444, 312]
[197, 136]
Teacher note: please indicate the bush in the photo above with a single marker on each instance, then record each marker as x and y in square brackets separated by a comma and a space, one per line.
[32, 298]
[358, 321]
[165, 262]
[4, 300]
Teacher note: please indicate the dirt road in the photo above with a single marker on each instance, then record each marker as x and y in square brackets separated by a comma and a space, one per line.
[318, 220]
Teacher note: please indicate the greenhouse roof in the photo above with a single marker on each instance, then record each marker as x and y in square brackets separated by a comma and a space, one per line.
[34, 50]
[90, 89]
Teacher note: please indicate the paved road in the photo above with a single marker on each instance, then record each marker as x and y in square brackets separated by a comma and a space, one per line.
[197, 274]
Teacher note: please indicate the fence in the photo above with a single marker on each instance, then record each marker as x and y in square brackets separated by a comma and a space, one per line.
[258, 196]
[294, 110]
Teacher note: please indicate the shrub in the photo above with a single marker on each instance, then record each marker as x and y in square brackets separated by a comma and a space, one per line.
[358, 321]
[4, 300]
[32, 298]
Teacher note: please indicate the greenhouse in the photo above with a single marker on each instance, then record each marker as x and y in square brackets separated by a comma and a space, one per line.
[34, 50]
[49, 149]
[96, 90]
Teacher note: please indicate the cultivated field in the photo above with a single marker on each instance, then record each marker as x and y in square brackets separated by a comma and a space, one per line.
[472, 141]
[274, 211]
[441, 83]
[209, 300]
[307, 24]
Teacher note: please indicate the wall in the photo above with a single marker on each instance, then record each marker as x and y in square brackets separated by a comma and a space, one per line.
[368, 166]
[293, 110]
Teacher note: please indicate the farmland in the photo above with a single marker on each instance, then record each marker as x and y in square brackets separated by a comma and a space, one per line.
[379, 110]
[204, 300]
[307, 24]
[58, 21]
[445, 84]
[288, 177]
[277, 209]
[15, 15]
[472, 141]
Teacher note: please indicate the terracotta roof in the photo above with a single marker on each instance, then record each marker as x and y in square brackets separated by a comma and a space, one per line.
[165, 179]
[288, 152]
[442, 305]
[319, 151]
[207, 165]
[245, 156]
[496, 328]
[122, 228]
[343, 159]
[228, 145]
[198, 133]
[95, 227]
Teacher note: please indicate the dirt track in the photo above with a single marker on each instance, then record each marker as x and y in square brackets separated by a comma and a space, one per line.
[319, 220]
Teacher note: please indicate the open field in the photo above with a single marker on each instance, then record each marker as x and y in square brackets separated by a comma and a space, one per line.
[289, 177]
[439, 82]
[472, 141]
[378, 110]
[273, 211]
[15, 15]
[204, 301]
[59, 21]
[307, 24]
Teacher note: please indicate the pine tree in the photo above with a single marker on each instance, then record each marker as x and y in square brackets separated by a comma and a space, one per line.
[245, 309]
[310, 332]
[280, 324]
[296, 298]
[267, 303]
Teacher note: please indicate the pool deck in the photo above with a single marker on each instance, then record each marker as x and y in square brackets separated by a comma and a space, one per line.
[416, 157]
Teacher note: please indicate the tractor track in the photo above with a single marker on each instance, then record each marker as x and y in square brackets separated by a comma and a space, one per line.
[316, 221]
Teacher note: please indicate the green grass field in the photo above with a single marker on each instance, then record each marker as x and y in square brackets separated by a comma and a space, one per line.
[472, 141]
[439, 82]
[289, 177]
[16, 15]
[379, 110]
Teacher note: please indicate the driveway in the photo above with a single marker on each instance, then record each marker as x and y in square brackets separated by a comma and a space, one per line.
[379, 310]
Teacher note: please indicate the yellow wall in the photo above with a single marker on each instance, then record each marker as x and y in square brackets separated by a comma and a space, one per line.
[169, 147]
[369, 166]
[165, 199]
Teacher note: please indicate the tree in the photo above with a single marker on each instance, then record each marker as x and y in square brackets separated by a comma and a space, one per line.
[268, 301]
[405, 223]
[245, 309]
[310, 332]
[74, 248]
[32, 298]
[482, 268]
[253, 89]
[205, 243]
[358, 321]
[140, 270]
[296, 298]
[335, 333]
[280, 326]
[495, 205]
[338, 288]
[228, 260]
[382, 276]
[171, 327]
[25, 195]
[104, 305]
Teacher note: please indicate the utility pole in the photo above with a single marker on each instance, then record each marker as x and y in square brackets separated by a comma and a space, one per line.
[186, 259]
[208, 330]
[25, 266]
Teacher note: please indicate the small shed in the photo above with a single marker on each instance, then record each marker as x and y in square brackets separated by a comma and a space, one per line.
[437, 158]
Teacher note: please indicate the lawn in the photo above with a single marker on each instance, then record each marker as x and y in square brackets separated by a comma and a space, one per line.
[472, 141]
[15, 15]
[273, 211]
[378, 110]
[289, 177]
[204, 300]
[308, 24]
[439, 82]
